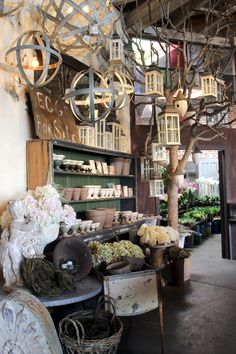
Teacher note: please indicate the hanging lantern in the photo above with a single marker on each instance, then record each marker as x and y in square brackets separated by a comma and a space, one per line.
[181, 104]
[208, 85]
[158, 153]
[190, 113]
[116, 49]
[221, 94]
[109, 145]
[86, 133]
[77, 26]
[34, 58]
[196, 155]
[88, 92]
[100, 133]
[168, 132]
[116, 131]
[153, 82]
[8, 8]
[156, 188]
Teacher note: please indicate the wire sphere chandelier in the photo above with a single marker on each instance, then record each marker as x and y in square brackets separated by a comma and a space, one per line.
[32, 53]
[91, 96]
[77, 25]
[8, 8]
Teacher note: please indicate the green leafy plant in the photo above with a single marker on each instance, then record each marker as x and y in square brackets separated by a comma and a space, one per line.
[174, 252]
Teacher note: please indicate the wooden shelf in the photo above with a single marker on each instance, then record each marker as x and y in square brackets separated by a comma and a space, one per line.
[90, 174]
[96, 200]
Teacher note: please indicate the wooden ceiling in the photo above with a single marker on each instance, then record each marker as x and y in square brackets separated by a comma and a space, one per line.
[219, 15]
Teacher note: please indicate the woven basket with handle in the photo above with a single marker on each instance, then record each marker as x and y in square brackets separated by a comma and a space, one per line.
[91, 331]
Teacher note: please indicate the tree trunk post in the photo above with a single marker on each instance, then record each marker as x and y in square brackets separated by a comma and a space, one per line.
[173, 189]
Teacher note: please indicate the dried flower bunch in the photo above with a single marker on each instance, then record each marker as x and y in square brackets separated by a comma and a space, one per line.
[112, 252]
[157, 235]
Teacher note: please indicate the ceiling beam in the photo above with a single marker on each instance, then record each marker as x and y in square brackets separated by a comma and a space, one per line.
[151, 12]
[189, 10]
[195, 38]
[121, 2]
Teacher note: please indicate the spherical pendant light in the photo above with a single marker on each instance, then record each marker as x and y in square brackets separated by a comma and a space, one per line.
[8, 8]
[77, 25]
[32, 53]
[89, 92]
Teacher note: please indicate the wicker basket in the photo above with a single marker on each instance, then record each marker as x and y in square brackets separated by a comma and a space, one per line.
[78, 337]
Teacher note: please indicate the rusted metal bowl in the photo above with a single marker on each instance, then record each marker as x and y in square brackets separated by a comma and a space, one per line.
[118, 268]
[75, 250]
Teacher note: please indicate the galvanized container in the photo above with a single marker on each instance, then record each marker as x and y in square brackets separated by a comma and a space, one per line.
[134, 293]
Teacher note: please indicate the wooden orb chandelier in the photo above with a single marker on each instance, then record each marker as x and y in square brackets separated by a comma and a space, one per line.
[32, 53]
[91, 96]
[8, 8]
[80, 25]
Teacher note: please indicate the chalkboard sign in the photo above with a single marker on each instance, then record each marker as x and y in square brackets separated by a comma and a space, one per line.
[53, 118]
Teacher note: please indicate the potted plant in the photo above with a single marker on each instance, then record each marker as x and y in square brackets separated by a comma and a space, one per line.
[176, 256]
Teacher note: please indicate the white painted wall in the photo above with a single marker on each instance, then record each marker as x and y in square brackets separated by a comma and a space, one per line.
[14, 131]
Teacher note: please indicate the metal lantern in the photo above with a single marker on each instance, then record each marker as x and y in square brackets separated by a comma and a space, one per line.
[156, 188]
[116, 131]
[75, 25]
[109, 144]
[100, 133]
[168, 131]
[208, 85]
[33, 53]
[8, 8]
[116, 50]
[220, 90]
[153, 82]
[181, 104]
[88, 92]
[86, 133]
[158, 153]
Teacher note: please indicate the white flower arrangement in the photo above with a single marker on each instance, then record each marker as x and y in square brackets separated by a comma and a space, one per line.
[44, 207]
[157, 235]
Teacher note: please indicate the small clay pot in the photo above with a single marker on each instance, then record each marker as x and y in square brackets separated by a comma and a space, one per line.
[98, 216]
[76, 193]
[118, 163]
[68, 192]
[84, 193]
[109, 215]
[126, 167]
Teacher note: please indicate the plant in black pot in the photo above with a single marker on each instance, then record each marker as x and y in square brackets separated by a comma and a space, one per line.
[175, 256]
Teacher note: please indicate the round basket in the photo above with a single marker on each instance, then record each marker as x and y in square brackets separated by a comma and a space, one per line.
[91, 331]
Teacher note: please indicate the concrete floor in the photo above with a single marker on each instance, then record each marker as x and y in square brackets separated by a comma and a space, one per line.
[199, 318]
